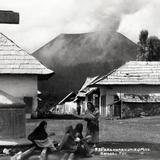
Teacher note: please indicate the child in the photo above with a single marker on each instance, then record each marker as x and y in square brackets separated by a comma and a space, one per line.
[96, 112]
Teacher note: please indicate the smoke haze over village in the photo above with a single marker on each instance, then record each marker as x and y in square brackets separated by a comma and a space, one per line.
[41, 21]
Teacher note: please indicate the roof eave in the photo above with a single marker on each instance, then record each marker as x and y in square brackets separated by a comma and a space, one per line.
[66, 97]
[45, 76]
[98, 85]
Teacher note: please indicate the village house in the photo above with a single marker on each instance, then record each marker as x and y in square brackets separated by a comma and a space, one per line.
[20, 72]
[67, 105]
[131, 90]
[87, 94]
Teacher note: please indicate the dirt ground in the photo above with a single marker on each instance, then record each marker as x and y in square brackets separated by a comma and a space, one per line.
[145, 129]
[139, 131]
[120, 136]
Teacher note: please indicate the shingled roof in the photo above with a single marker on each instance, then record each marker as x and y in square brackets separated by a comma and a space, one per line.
[133, 73]
[14, 60]
[88, 81]
[85, 89]
[68, 98]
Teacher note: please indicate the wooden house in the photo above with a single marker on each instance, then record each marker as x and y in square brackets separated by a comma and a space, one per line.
[131, 90]
[20, 72]
[87, 94]
[67, 104]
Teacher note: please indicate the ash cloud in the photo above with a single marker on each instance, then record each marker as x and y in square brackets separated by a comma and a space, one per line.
[108, 17]
[104, 18]
[41, 20]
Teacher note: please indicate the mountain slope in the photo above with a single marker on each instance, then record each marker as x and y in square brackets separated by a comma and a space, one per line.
[76, 56]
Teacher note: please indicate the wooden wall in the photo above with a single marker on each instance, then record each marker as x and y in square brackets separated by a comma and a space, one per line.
[12, 123]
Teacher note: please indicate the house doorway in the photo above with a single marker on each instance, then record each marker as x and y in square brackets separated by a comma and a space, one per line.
[117, 107]
[103, 105]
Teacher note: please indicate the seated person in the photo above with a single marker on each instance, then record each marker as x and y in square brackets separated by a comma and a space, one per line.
[78, 130]
[82, 147]
[68, 144]
[40, 138]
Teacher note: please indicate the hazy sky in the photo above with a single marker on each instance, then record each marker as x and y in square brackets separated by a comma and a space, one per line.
[42, 20]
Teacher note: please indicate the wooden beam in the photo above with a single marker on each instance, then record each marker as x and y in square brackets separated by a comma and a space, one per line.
[43, 155]
[9, 17]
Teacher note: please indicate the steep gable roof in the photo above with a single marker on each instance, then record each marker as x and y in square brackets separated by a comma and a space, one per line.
[85, 89]
[132, 73]
[68, 98]
[88, 81]
[14, 60]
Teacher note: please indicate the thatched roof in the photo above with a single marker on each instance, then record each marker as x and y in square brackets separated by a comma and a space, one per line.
[14, 60]
[133, 73]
